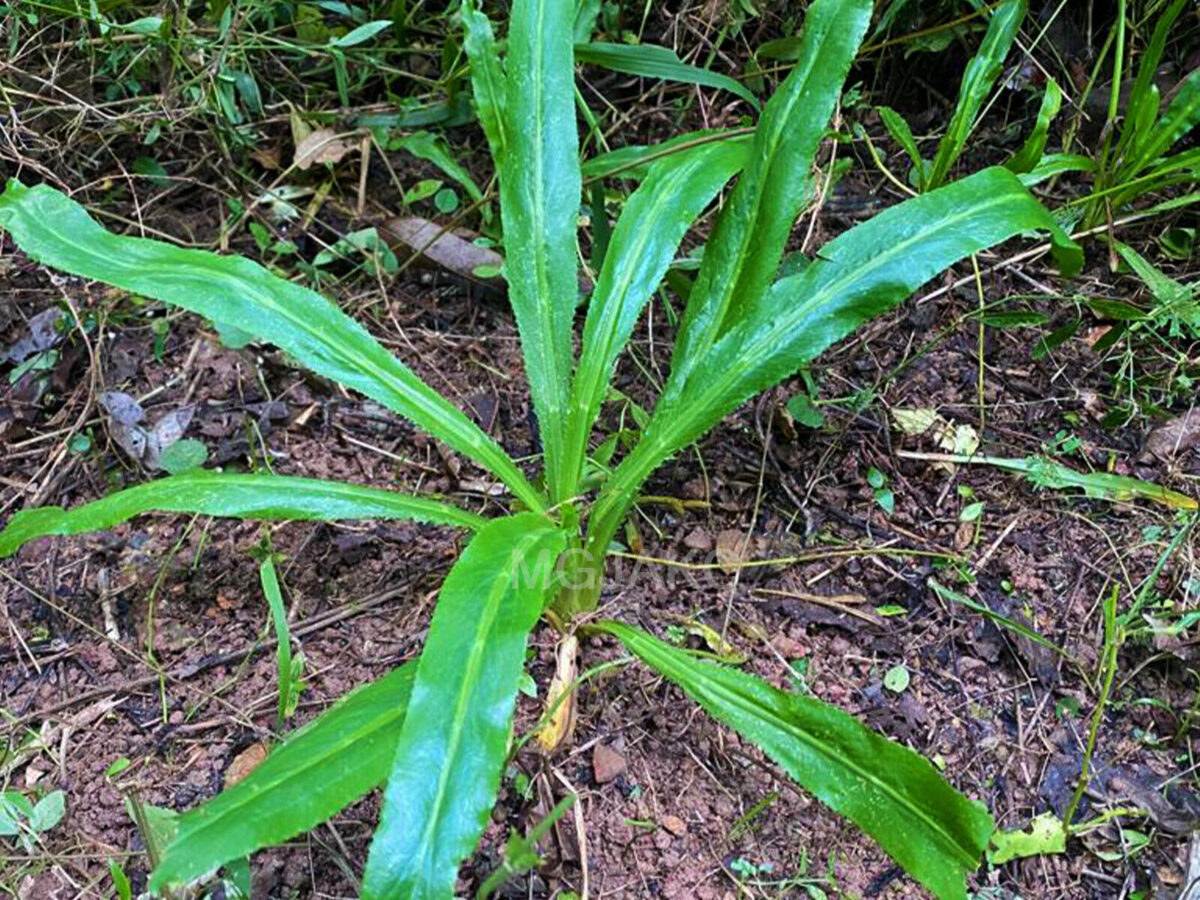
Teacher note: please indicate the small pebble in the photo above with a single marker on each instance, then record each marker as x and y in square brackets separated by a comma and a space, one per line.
[675, 825]
[607, 764]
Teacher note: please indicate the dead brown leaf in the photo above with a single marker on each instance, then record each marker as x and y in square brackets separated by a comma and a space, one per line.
[319, 147]
[562, 719]
[452, 252]
[1177, 436]
[245, 763]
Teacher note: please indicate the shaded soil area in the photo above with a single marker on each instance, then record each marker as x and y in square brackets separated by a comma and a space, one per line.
[132, 664]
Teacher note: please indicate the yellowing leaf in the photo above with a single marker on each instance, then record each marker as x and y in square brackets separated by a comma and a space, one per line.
[961, 439]
[1043, 835]
[562, 715]
[915, 421]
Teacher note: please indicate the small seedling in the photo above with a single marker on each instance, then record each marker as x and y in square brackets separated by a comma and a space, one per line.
[120, 880]
[289, 668]
[1134, 157]
[897, 679]
[27, 821]
[982, 72]
[881, 492]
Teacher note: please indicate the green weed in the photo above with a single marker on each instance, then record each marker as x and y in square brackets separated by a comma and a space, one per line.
[436, 730]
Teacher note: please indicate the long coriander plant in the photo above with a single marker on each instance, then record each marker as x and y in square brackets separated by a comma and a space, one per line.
[435, 732]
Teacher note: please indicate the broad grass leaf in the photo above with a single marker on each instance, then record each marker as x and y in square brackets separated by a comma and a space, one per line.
[1030, 154]
[642, 246]
[487, 76]
[743, 253]
[536, 150]
[234, 292]
[270, 497]
[450, 753]
[859, 275]
[982, 71]
[651, 61]
[893, 794]
[319, 770]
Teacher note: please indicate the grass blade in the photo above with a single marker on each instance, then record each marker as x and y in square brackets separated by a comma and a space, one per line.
[741, 257]
[1030, 154]
[1142, 96]
[655, 220]
[1046, 473]
[898, 128]
[1181, 116]
[277, 498]
[539, 205]
[982, 72]
[861, 274]
[318, 771]
[1053, 164]
[987, 612]
[269, 579]
[651, 61]
[635, 161]
[450, 753]
[234, 292]
[431, 148]
[487, 76]
[890, 792]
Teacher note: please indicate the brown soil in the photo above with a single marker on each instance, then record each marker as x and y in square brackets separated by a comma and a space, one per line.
[691, 809]
[143, 644]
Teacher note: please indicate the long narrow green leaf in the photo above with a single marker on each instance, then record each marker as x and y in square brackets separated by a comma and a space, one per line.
[987, 612]
[271, 497]
[656, 218]
[859, 275]
[430, 147]
[450, 753]
[269, 580]
[651, 61]
[635, 160]
[1052, 164]
[890, 792]
[1030, 154]
[1143, 96]
[234, 292]
[539, 205]
[319, 770]
[743, 253]
[586, 14]
[982, 72]
[1046, 473]
[1182, 116]
[898, 128]
[487, 77]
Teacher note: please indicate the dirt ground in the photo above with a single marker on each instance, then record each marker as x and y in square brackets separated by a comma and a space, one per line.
[136, 667]
[672, 804]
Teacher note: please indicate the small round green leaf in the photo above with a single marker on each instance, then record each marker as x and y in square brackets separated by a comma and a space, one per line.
[446, 200]
[896, 680]
[183, 456]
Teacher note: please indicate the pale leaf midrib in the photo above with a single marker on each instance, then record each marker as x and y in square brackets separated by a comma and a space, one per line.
[412, 396]
[325, 753]
[426, 847]
[720, 694]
